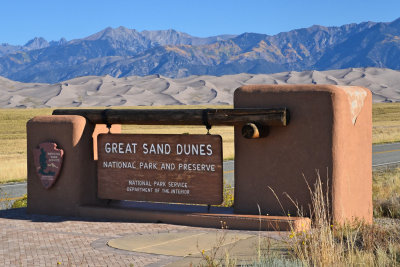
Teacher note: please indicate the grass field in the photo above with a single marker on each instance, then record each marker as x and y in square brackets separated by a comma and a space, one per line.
[385, 193]
[386, 128]
[13, 137]
[386, 123]
[13, 142]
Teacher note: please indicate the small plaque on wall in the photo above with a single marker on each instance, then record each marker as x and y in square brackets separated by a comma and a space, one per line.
[48, 162]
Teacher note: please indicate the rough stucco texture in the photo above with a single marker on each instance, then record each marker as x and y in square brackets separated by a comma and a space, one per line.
[330, 133]
[76, 183]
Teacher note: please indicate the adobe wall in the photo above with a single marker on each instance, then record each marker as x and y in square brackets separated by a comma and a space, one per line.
[330, 131]
[75, 191]
[77, 182]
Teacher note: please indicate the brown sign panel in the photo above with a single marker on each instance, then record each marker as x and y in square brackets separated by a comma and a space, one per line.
[160, 168]
[48, 161]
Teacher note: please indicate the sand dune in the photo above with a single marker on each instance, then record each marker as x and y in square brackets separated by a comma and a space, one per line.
[157, 90]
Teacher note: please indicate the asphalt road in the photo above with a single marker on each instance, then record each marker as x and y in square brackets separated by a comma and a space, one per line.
[11, 192]
[386, 155]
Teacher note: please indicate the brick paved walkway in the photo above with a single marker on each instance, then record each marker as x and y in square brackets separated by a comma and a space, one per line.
[38, 240]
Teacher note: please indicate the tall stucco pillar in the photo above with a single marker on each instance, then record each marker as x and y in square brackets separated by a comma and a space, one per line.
[76, 184]
[330, 132]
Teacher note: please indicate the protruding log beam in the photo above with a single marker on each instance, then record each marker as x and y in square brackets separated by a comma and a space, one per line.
[228, 117]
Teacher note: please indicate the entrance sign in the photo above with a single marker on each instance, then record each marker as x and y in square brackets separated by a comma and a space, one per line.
[188, 168]
[160, 168]
[48, 161]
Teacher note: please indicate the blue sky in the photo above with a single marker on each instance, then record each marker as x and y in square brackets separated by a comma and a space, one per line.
[21, 20]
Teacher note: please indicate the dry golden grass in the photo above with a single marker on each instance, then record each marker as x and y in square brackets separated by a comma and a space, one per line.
[386, 128]
[13, 142]
[386, 189]
[331, 244]
[386, 123]
[13, 137]
[13, 170]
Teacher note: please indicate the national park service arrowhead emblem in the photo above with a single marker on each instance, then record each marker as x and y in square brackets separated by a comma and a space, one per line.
[48, 161]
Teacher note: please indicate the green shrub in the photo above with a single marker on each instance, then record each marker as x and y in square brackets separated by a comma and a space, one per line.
[228, 195]
[20, 203]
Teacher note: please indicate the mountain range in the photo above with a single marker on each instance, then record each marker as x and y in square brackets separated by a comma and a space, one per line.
[123, 52]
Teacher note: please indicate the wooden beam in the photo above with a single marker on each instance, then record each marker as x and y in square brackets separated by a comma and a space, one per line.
[228, 117]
